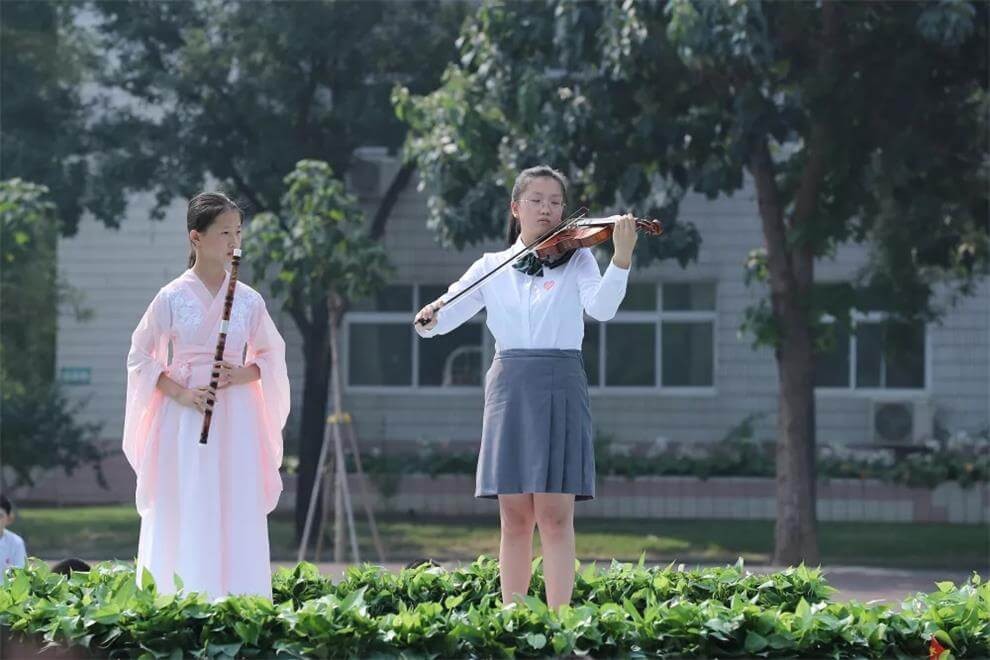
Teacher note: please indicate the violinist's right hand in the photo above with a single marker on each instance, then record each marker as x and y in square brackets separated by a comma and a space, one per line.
[426, 319]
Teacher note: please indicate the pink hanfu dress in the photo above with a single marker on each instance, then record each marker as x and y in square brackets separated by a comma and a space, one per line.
[204, 508]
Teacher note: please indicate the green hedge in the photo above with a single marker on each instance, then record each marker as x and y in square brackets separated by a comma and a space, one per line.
[623, 609]
[738, 455]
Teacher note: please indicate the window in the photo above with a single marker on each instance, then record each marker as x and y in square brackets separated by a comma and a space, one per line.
[383, 350]
[452, 359]
[877, 355]
[379, 353]
[688, 333]
[630, 354]
[662, 336]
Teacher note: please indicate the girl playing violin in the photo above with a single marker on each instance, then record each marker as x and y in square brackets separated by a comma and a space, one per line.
[537, 455]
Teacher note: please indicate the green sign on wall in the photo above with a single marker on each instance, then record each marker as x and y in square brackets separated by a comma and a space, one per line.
[75, 375]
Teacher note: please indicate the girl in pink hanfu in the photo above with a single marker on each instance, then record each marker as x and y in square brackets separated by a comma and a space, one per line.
[204, 508]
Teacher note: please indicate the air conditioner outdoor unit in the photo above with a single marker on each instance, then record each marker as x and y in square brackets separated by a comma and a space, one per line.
[901, 421]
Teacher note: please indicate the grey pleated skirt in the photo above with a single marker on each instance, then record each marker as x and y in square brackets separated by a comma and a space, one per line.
[536, 436]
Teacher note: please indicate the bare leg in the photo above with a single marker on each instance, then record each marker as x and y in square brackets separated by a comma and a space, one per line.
[515, 555]
[555, 518]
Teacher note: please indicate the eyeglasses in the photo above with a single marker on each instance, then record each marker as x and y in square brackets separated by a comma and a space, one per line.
[554, 205]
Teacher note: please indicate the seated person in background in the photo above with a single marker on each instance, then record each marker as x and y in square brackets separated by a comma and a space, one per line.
[12, 552]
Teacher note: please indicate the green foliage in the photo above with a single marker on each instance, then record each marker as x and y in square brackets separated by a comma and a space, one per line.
[28, 288]
[873, 114]
[242, 91]
[39, 427]
[534, 84]
[44, 60]
[963, 460]
[428, 611]
[318, 243]
[41, 431]
[316, 255]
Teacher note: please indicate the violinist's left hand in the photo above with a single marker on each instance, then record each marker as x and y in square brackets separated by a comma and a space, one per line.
[624, 237]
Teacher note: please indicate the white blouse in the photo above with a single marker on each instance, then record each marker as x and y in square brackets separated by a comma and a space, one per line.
[526, 311]
[12, 553]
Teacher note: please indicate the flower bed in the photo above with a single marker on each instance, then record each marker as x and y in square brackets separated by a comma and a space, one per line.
[961, 459]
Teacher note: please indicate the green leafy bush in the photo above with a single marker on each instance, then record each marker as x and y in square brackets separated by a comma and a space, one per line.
[623, 609]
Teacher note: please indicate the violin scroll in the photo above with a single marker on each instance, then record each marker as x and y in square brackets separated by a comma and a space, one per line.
[653, 227]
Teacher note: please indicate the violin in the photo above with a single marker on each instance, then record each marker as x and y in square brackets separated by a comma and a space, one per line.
[573, 233]
[588, 232]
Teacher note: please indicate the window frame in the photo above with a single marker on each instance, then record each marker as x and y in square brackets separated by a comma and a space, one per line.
[658, 317]
[405, 318]
[879, 393]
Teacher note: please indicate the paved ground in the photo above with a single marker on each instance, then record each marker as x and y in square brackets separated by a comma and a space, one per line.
[853, 582]
[889, 585]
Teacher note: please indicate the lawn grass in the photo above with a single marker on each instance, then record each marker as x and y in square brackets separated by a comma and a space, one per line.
[111, 532]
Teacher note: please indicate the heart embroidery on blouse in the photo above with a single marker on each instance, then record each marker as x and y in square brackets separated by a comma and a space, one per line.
[548, 284]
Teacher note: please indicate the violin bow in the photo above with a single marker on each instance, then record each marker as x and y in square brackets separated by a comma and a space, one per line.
[527, 249]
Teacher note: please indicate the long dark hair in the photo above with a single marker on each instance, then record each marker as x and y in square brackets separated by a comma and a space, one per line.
[203, 209]
[519, 187]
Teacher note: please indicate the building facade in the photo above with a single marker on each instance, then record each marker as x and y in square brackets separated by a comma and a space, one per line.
[672, 365]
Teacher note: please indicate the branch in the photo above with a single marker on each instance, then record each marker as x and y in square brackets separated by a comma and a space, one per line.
[806, 198]
[782, 283]
[298, 315]
[246, 131]
[248, 191]
[805, 202]
[399, 182]
[306, 100]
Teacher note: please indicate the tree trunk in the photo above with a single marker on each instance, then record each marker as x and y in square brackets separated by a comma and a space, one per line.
[340, 473]
[399, 183]
[316, 354]
[791, 260]
[791, 271]
[796, 530]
